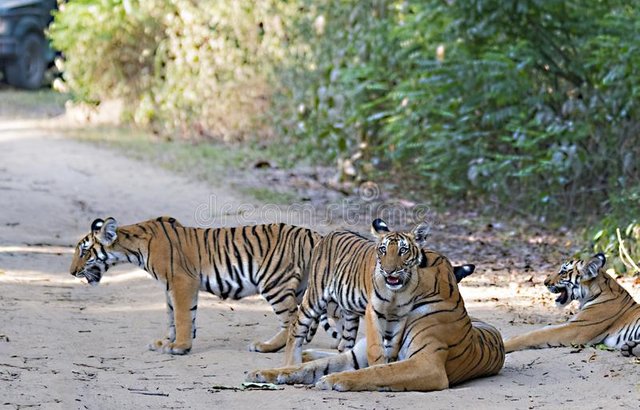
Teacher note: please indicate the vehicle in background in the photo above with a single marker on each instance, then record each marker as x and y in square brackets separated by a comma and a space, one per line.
[25, 52]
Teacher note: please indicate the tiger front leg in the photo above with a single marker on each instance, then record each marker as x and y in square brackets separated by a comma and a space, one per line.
[158, 344]
[566, 334]
[423, 372]
[311, 372]
[283, 302]
[182, 307]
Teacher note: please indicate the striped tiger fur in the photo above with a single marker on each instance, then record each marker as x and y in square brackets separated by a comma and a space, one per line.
[271, 260]
[340, 284]
[418, 334]
[607, 313]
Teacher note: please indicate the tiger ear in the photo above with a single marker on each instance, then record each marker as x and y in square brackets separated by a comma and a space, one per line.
[420, 234]
[105, 231]
[463, 271]
[96, 225]
[379, 228]
[591, 269]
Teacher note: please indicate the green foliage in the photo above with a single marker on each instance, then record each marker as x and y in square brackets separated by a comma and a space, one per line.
[527, 104]
[192, 67]
[531, 104]
[621, 245]
[109, 49]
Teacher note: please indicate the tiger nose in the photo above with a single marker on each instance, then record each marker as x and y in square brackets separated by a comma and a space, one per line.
[547, 282]
[389, 271]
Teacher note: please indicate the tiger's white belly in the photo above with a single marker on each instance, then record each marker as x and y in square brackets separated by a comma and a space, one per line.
[226, 287]
[612, 341]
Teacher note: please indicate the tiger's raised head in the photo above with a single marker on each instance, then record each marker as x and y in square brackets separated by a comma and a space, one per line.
[574, 279]
[398, 253]
[93, 255]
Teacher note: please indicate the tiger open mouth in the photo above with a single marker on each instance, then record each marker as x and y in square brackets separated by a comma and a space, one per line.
[563, 294]
[92, 278]
[395, 282]
[392, 280]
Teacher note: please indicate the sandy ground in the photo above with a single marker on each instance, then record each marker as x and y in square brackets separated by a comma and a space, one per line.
[66, 345]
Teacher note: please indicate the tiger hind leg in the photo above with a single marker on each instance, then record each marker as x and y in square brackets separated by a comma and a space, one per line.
[310, 355]
[297, 334]
[283, 302]
[631, 348]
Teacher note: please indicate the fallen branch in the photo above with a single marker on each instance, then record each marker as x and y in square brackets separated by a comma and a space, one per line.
[624, 254]
[148, 393]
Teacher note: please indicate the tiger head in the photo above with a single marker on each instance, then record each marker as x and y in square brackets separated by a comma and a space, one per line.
[94, 253]
[398, 253]
[574, 278]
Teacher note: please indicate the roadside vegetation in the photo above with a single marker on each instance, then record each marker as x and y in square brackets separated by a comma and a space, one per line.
[518, 107]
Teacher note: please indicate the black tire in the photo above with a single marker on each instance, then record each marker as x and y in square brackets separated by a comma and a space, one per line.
[27, 70]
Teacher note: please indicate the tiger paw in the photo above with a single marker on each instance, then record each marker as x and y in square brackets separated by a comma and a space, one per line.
[631, 348]
[308, 356]
[158, 344]
[177, 349]
[167, 346]
[262, 376]
[263, 347]
[331, 382]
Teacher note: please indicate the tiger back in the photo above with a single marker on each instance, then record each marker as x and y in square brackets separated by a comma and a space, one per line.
[418, 336]
[271, 260]
[607, 314]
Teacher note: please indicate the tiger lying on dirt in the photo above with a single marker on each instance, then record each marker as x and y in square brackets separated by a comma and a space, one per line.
[608, 314]
[340, 283]
[418, 334]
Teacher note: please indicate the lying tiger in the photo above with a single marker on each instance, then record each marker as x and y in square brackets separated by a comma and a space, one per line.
[340, 283]
[608, 314]
[418, 334]
[271, 260]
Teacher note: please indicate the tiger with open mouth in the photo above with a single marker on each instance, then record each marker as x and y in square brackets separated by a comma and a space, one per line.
[608, 314]
[232, 262]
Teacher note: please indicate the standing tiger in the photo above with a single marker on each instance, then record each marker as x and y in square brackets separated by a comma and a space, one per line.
[271, 260]
[418, 334]
[340, 282]
[608, 314]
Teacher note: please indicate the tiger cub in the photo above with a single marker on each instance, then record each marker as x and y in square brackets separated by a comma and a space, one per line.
[340, 281]
[272, 260]
[607, 314]
[418, 333]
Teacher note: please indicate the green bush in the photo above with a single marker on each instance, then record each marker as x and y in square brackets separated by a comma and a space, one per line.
[197, 68]
[621, 245]
[109, 50]
[527, 105]
[531, 104]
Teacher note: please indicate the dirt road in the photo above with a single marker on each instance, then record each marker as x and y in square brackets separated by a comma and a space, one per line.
[66, 345]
